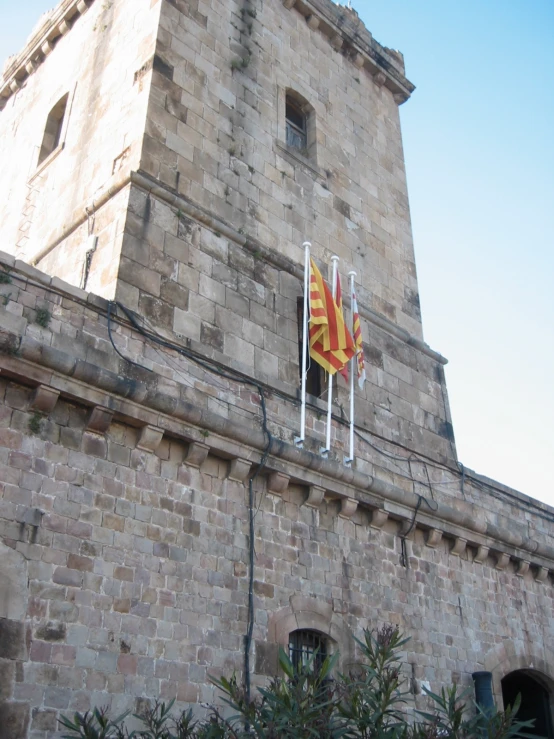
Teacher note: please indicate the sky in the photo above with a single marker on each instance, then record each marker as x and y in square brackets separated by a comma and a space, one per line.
[478, 139]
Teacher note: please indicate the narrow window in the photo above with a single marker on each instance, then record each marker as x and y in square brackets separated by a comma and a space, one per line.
[53, 130]
[297, 126]
[304, 644]
[314, 384]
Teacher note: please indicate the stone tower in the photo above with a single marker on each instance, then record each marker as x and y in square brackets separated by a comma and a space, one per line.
[162, 163]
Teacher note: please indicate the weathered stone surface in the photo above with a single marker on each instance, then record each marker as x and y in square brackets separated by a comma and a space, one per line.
[14, 719]
[134, 582]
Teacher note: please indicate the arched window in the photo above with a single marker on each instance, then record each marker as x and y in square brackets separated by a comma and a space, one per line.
[304, 644]
[53, 129]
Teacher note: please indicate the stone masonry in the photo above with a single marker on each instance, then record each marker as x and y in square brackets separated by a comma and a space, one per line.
[149, 285]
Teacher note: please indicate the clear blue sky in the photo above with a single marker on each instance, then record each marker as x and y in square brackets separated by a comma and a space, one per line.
[478, 136]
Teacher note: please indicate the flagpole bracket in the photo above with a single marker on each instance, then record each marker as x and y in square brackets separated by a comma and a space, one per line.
[324, 452]
[347, 461]
[299, 442]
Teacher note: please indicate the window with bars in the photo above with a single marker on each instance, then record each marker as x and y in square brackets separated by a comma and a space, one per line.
[297, 126]
[304, 644]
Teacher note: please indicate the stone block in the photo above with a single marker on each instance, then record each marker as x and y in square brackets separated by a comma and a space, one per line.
[315, 496]
[150, 438]
[99, 419]
[348, 507]
[14, 719]
[239, 469]
[196, 454]
[44, 399]
[277, 482]
[12, 639]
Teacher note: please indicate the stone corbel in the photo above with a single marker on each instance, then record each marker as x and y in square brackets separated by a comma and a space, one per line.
[239, 469]
[542, 574]
[358, 60]
[99, 419]
[434, 538]
[82, 6]
[379, 518]
[337, 42]
[481, 554]
[278, 483]
[150, 438]
[379, 78]
[315, 496]
[14, 85]
[400, 97]
[348, 507]
[459, 546]
[64, 28]
[44, 399]
[30, 66]
[502, 560]
[196, 454]
[289, 4]
[312, 21]
[522, 568]
[46, 47]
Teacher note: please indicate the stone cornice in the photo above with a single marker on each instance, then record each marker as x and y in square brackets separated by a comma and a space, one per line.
[344, 29]
[135, 398]
[129, 400]
[41, 43]
[348, 35]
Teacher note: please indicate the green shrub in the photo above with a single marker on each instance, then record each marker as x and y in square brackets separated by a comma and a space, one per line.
[305, 703]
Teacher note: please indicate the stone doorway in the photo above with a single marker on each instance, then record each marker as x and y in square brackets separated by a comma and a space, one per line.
[535, 700]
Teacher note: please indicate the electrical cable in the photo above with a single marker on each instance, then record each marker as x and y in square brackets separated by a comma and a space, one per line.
[528, 506]
[126, 359]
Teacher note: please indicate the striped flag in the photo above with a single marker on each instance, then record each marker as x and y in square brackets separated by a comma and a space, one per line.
[357, 331]
[331, 344]
[338, 301]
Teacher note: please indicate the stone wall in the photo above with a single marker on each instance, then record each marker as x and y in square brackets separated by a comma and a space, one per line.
[216, 133]
[231, 298]
[129, 430]
[123, 495]
[102, 60]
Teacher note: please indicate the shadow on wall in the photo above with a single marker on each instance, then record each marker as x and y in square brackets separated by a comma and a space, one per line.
[14, 715]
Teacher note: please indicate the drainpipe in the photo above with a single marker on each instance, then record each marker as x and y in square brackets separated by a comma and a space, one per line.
[483, 691]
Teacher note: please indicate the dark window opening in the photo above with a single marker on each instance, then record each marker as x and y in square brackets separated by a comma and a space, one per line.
[53, 129]
[304, 644]
[314, 379]
[535, 702]
[297, 130]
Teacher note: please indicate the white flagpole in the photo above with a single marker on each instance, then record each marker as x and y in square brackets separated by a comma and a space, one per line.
[353, 370]
[325, 452]
[299, 440]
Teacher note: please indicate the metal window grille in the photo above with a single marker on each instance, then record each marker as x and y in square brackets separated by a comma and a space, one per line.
[296, 126]
[303, 644]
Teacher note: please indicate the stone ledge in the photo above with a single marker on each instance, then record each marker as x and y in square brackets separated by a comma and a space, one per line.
[149, 410]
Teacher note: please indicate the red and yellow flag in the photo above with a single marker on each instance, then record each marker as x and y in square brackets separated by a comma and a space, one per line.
[331, 344]
[357, 331]
[338, 301]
